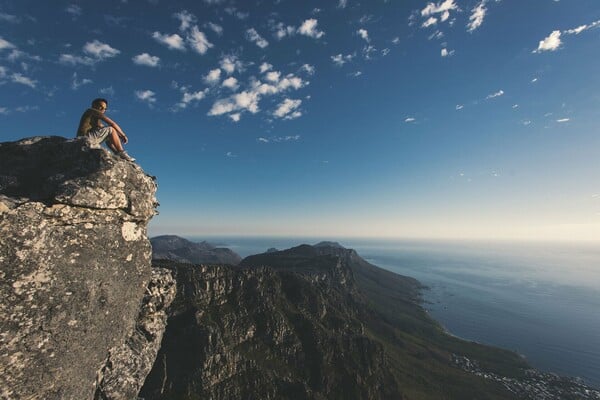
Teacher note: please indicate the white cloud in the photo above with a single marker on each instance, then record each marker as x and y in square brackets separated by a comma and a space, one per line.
[447, 53]
[279, 139]
[99, 50]
[76, 83]
[288, 109]
[74, 10]
[282, 30]
[342, 3]
[71, 59]
[213, 77]
[273, 76]
[309, 69]
[198, 41]
[459, 107]
[107, 91]
[230, 64]
[550, 43]
[4, 111]
[356, 74]
[477, 16]
[563, 120]
[340, 59]
[3, 71]
[147, 96]
[241, 101]
[553, 41]
[146, 59]
[534, 80]
[527, 122]
[445, 15]
[409, 119]
[23, 80]
[515, 106]
[396, 40]
[9, 18]
[173, 41]
[442, 7]
[229, 153]
[4, 44]
[309, 28]
[218, 29]
[363, 33]
[497, 94]
[186, 19]
[264, 67]
[235, 117]
[189, 97]
[254, 37]
[231, 83]
[429, 22]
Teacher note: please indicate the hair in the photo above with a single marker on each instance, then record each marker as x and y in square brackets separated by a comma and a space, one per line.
[96, 102]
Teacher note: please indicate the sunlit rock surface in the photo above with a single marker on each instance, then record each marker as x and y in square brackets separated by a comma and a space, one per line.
[74, 264]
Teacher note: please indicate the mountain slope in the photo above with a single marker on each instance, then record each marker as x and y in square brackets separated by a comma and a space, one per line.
[171, 247]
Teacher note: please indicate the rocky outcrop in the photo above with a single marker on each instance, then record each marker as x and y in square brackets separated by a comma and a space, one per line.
[74, 264]
[175, 248]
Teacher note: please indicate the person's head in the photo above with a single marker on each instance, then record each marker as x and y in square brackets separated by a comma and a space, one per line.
[100, 104]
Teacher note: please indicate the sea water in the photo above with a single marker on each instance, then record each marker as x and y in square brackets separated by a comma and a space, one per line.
[541, 300]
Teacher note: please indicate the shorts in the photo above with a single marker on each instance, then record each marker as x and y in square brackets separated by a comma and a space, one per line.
[98, 135]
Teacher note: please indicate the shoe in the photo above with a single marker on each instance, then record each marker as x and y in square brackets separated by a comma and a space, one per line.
[123, 154]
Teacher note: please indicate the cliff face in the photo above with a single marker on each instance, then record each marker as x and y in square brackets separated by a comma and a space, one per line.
[74, 264]
[260, 333]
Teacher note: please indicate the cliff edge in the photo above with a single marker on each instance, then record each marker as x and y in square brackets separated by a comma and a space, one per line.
[74, 270]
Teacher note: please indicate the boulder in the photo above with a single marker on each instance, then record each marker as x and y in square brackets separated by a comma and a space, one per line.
[74, 264]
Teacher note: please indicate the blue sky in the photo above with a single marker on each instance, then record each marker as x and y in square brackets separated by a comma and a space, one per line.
[450, 119]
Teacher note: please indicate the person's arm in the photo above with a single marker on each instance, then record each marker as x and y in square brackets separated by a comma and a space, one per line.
[116, 126]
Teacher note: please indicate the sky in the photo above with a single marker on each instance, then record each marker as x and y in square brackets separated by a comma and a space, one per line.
[400, 119]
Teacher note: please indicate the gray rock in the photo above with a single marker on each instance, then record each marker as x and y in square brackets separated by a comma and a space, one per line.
[128, 365]
[74, 263]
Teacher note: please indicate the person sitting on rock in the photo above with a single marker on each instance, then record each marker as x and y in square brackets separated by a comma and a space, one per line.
[92, 127]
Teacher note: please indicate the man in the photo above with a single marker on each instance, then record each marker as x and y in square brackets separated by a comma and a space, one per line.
[91, 126]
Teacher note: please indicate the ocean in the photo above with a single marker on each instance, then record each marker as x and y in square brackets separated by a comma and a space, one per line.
[541, 300]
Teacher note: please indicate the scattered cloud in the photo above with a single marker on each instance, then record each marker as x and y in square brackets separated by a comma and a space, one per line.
[309, 69]
[76, 83]
[99, 50]
[429, 22]
[288, 109]
[107, 91]
[198, 41]
[563, 120]
[229, 153]
[477, 16]
[186, 20]
[231, 83]
[218, 29]
[459, 107]
[279, 139]
[173, 42]
[235, 117]
[189, 97]
[356, 74]
[553, 41]
[363, 34]
[494, 95]
[340, 59]
[253, 36]
[282, 30]
[534, 80]
[213, 77]
[444, 6]
[447, 53]
[264, 67]
[4, 44]
[309, 28]
[147, 96]
[230, 63]
[74, 10]
[146, 60]
[23, 80]
[13, 19]
[515, 106]
[527, 122]
[342, 3]
[409, 119]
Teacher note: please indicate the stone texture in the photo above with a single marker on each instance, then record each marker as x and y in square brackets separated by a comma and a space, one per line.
[74, 263]
[127, 365]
